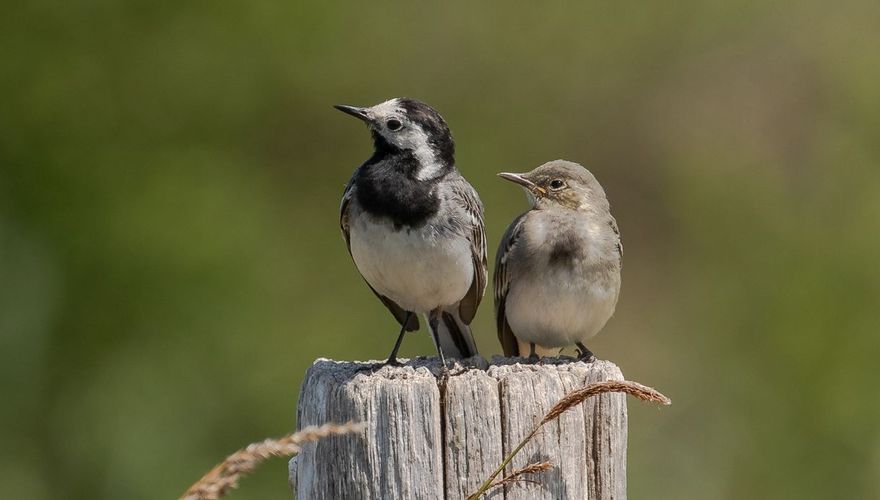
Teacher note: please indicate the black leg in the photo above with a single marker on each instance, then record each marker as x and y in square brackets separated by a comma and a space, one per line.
[434, 323]
[392, 359]
[533, 356]
[585, 354]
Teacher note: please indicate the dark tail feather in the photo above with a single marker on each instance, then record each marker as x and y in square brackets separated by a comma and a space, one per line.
[455, 336]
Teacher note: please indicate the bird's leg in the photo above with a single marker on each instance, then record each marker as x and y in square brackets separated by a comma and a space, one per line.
[585, 354]
[392, 358]
[533, 356]
[434, 323]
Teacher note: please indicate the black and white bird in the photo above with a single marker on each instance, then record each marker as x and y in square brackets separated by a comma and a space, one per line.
[557, 271]
[414, 226]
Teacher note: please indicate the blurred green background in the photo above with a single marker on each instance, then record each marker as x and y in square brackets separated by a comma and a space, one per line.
[170, 259]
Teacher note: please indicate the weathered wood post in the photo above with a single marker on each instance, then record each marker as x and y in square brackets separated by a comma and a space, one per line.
[426, 440]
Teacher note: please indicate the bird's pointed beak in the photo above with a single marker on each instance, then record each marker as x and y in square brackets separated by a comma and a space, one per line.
[522, 181]
[359, 113]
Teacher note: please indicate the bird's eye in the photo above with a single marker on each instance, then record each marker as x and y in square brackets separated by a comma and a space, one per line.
[394, 125]
[557, 184]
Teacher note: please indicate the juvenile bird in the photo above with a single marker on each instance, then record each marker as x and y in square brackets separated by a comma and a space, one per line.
[414, 226]
[557, 271]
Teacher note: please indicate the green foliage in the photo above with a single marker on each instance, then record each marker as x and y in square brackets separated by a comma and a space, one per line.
[170, 260]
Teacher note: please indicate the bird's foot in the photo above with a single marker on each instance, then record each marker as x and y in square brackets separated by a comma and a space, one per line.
[533, 354]
[444, 374]
[392, 362]
[585, 354]
[462, 370]
[369, 367]
[378, 365]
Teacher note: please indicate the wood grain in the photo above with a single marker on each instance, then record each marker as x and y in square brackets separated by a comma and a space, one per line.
[425, 439]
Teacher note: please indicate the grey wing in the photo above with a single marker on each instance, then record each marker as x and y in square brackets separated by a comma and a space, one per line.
[476, 234]
[344, 208]
[502, 284]
[613, 224]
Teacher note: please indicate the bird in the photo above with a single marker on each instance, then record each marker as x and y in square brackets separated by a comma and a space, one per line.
[414, 226]
[557, 270]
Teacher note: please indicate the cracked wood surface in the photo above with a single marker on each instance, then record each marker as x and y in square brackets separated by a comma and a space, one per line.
[424, 440]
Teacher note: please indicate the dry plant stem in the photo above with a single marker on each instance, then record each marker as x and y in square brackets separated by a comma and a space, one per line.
[578, 396]
[224, 477]
[567, 402]
[514, 476]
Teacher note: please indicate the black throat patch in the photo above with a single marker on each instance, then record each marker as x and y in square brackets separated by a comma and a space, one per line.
[387, 187]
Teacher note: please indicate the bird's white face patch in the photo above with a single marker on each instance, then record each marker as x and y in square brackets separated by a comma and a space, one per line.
[410, 137]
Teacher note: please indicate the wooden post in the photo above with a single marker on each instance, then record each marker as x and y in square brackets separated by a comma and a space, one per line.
[424, 440]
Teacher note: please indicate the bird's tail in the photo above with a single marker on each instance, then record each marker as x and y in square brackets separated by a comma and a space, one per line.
[454, 335]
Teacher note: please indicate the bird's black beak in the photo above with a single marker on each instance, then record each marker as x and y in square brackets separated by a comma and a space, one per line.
[359, 113]
[522, 181]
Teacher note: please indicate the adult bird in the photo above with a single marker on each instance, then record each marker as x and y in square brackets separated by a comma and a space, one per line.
[557, 271]
[414, 226]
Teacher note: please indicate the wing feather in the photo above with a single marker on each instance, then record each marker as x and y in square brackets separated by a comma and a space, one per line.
[476, 234]
[502, 283]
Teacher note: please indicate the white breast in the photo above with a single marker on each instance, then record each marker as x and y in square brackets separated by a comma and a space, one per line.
[557, 310]
[419, 269]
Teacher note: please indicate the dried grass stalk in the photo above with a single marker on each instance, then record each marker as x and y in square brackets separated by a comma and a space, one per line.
[516, 476]
[578, 396]
[567, 402]
[224, 477]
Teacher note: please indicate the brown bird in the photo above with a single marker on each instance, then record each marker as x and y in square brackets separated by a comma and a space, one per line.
[557, 272]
